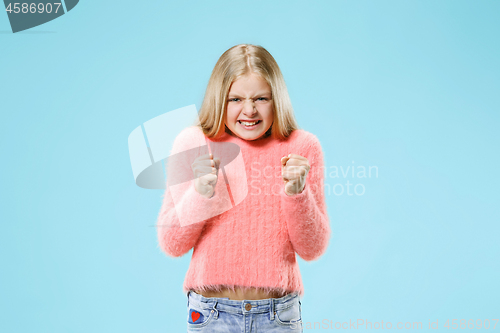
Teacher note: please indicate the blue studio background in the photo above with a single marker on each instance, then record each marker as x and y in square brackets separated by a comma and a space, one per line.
[409, 88]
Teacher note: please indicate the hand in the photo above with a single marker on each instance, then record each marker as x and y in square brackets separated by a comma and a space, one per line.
[294, 170]
[206, 170]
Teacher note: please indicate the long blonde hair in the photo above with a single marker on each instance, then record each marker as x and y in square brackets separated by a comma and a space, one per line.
[236, 62]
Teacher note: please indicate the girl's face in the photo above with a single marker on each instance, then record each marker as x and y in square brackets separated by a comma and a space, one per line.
[249, 110]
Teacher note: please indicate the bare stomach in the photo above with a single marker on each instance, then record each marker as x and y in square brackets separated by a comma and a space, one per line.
[240, 294]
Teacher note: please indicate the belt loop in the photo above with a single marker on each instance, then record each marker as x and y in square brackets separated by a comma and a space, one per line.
[187, 298]
[216, 315]
[272, 308]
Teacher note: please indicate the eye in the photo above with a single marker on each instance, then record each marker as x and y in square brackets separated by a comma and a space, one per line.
[261, 99]
[234, 100]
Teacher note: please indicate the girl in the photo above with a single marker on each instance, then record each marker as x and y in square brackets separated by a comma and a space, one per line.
[243, 275]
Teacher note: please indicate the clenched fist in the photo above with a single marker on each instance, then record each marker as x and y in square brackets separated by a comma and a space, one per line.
[294, 170]
[206, 170]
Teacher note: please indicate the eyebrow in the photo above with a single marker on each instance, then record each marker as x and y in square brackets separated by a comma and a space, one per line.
[259, 94]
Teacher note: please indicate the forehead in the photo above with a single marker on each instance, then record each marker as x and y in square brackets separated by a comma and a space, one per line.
[250, 84]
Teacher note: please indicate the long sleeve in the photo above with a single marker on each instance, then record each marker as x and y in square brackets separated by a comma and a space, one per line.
[175, 240]
[305, 213]
[184, 211]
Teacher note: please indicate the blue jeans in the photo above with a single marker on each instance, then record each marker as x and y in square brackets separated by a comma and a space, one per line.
[222, 315]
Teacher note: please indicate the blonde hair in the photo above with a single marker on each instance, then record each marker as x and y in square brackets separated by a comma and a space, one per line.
[236, 62]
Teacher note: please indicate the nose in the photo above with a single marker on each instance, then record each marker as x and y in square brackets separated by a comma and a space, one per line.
[249, 109]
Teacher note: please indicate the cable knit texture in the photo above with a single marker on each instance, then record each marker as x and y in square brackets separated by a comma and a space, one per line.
[253, 244]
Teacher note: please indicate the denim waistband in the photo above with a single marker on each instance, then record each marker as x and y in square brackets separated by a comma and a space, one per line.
[235, 306]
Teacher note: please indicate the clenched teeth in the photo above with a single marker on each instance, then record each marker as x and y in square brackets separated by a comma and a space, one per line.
[248, 124]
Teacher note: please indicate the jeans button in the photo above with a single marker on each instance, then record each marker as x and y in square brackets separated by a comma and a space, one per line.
[248, 306]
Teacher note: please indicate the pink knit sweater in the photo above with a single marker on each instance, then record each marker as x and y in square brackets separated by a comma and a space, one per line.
[252, 244]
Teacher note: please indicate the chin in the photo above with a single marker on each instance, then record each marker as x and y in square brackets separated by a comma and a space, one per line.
[247, 135]
[253, 136]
